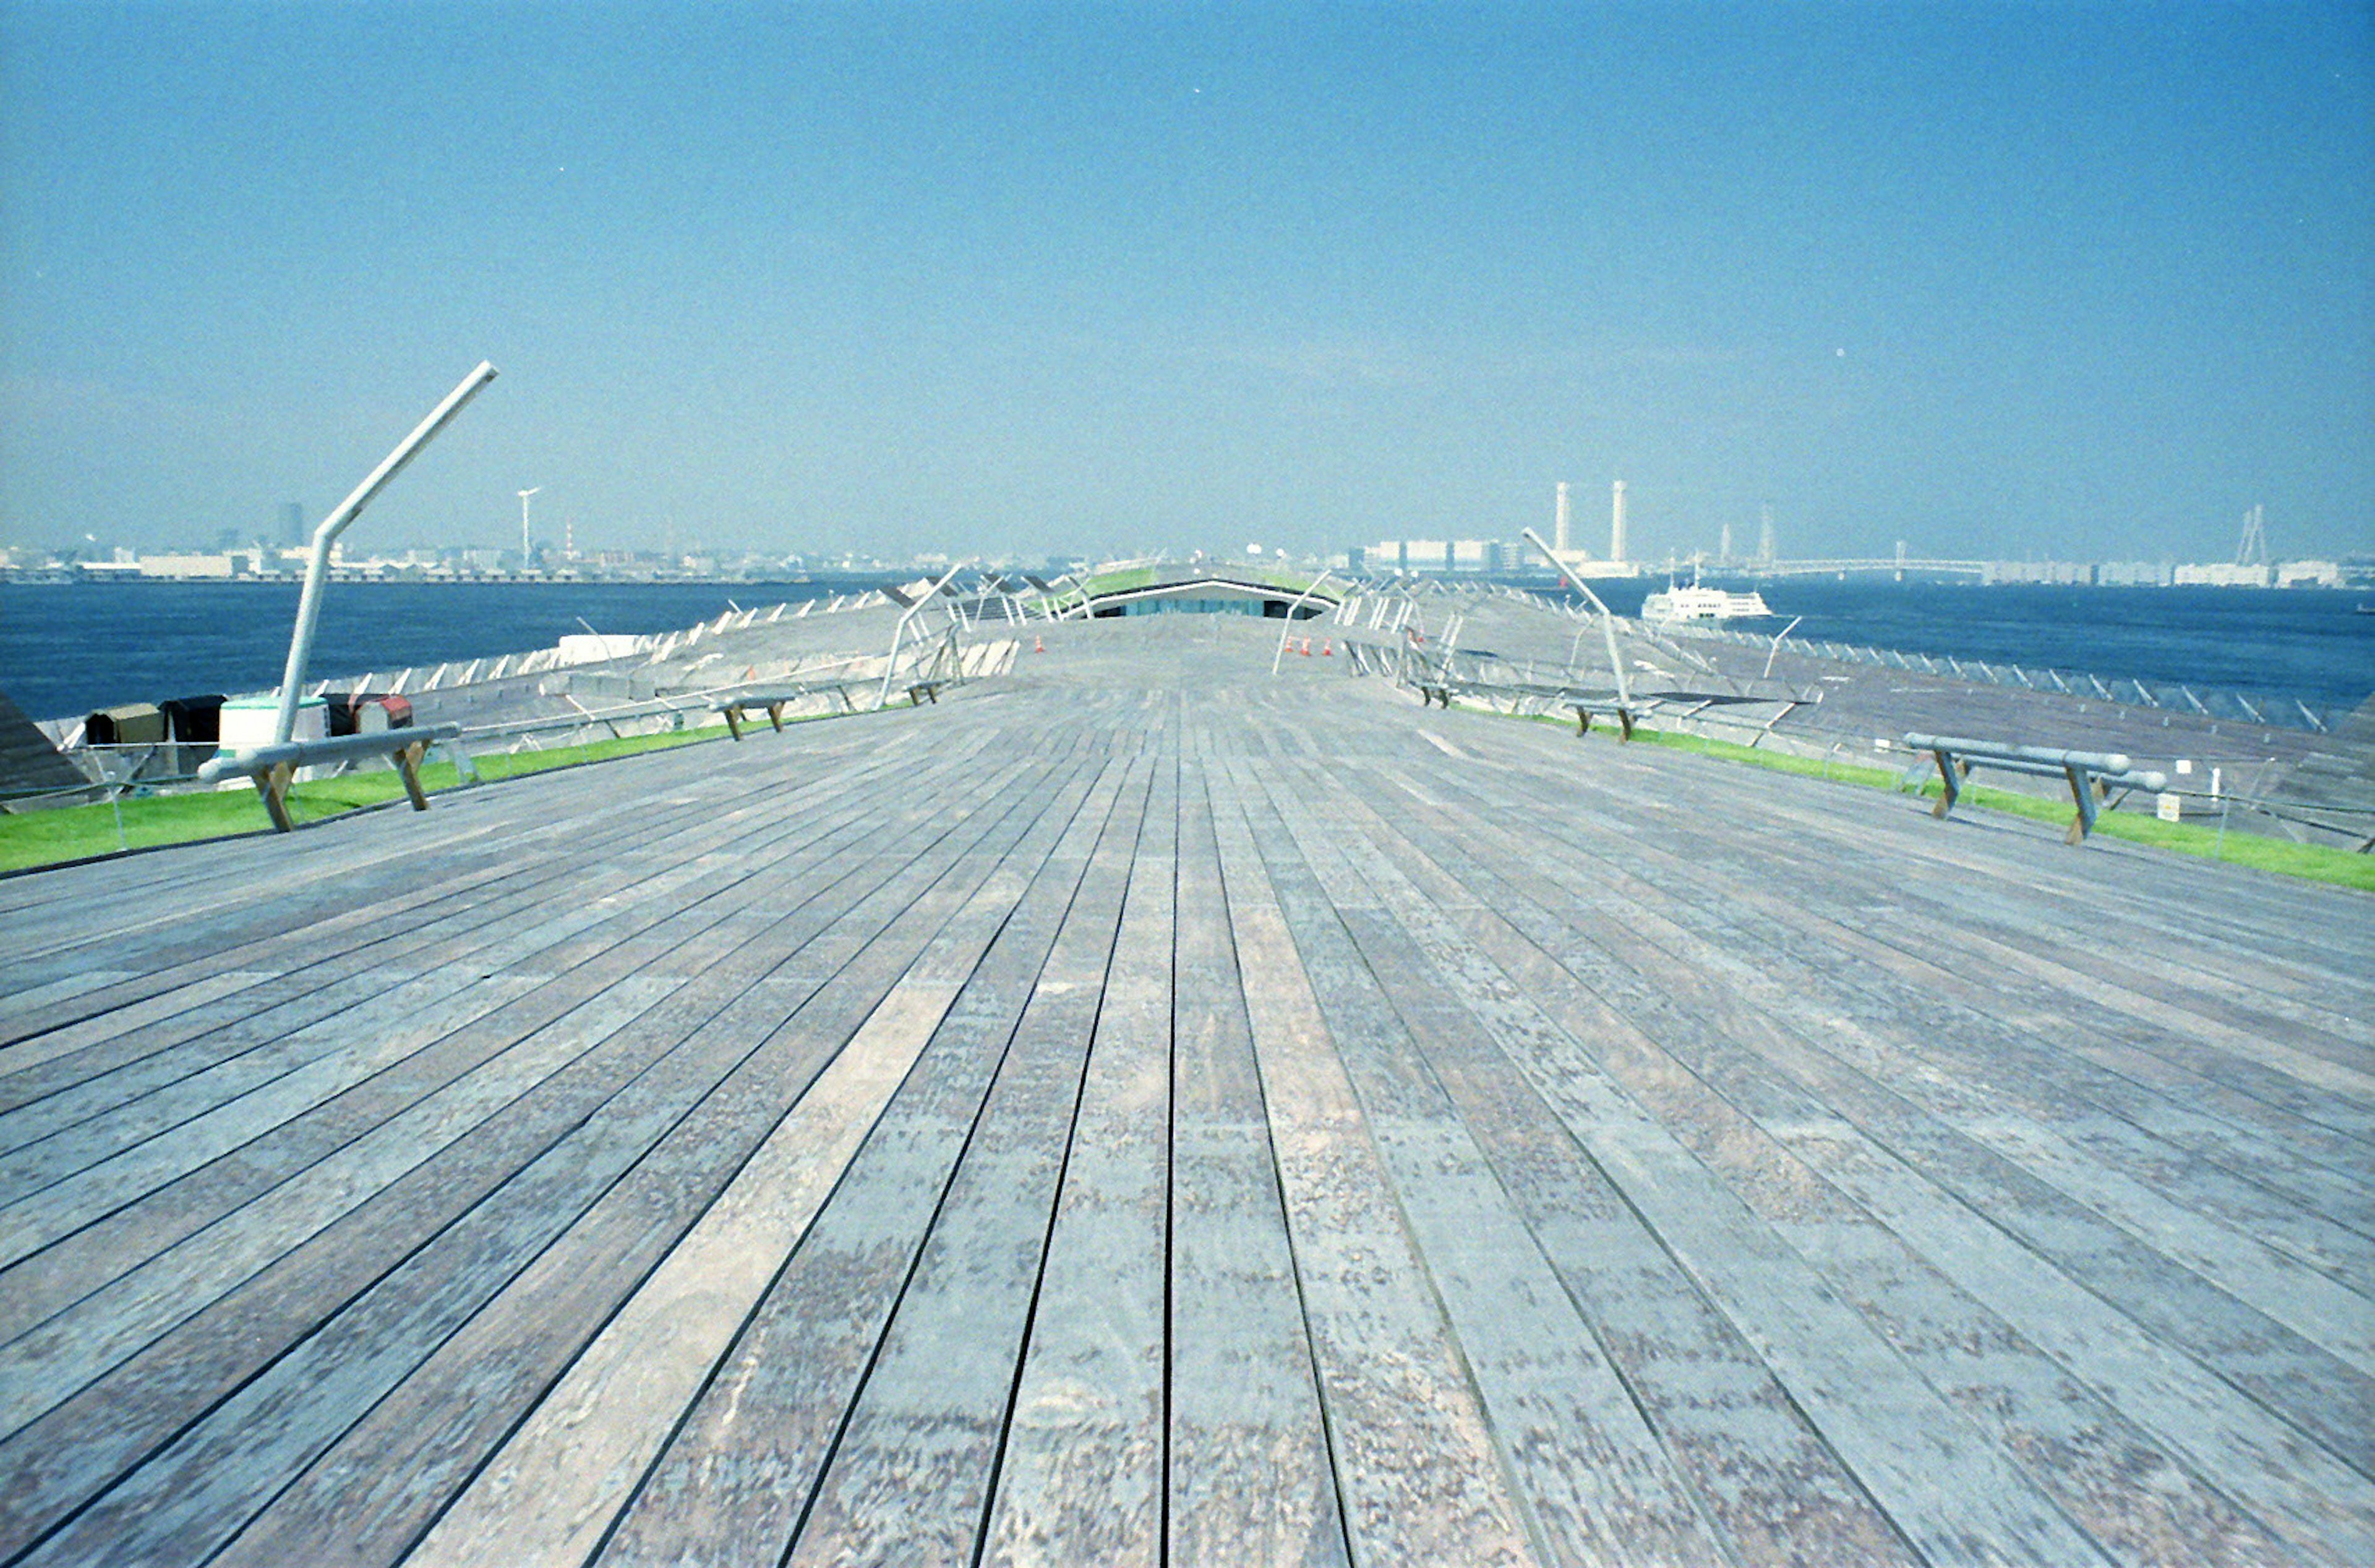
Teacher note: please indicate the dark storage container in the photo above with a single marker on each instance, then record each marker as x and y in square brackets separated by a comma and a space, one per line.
[132, 724]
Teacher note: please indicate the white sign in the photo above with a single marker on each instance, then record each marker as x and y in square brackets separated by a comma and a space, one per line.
[2169, 807]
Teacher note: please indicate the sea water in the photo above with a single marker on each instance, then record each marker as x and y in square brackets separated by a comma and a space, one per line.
[2303, 642]
[66, 649]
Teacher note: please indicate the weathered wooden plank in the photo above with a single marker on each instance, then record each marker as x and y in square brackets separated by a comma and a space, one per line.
[1548, 1385]
[1251, 1475]
[393, 1145]
[1081, 1473]
[312, 912]
[593, 923]
[911, 1474]
[554, 1489]
[62, 1461]
[2328, 1393]
[746, 1459]
[2251, 1451]
[1634, 1112]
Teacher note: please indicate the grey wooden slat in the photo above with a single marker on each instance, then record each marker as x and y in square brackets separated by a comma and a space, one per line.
[597, 911]
[2236, 1255]
[1548, 1390]
[137, 1232]
[1756, 1466]
[2280, 1292]
[725, 1480]
[1080, 1471]
[1897, 1435]
[1251, 1478]
[911, 1473]
[285, 1411]
[342, 915]
[64, 1460]
[551, 844]
[552, 1491]
[2248, 1448]
[1766, 1105]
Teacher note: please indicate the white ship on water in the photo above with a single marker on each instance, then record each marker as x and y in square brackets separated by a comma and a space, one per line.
[1694, 603]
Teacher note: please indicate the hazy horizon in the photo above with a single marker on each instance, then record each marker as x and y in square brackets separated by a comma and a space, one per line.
[2028, 282]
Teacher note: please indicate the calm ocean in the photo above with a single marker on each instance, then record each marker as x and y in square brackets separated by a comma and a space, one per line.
[66, 649]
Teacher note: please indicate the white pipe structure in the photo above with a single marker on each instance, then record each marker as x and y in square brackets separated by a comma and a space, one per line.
[1289, 627]
[1607, 621]
[317, 570]
[899, 632]
[527, 551]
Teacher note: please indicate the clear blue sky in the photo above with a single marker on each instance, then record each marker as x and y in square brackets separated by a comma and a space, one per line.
[2076, 280]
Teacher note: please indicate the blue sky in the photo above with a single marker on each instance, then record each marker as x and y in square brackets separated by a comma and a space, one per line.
[2078, 279]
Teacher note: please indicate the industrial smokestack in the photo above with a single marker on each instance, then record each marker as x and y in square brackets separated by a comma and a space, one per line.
[1558, 530]
[1616, 528]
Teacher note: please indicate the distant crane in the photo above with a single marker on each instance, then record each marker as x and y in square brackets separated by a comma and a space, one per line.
[525, 552]
[2251, 550]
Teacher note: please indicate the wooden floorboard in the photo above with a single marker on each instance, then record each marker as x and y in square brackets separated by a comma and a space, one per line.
[1142, 1111]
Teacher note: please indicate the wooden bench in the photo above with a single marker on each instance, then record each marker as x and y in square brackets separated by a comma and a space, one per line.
[1438, 693]
[774, 703]
[273, 768]
[2092, 776]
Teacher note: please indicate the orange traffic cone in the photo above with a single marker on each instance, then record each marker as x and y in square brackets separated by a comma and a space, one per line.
[1307, 647]
[1328, 649]
[1038, 644]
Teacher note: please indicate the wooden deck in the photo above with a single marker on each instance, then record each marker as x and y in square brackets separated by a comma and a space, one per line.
[1140, 1110]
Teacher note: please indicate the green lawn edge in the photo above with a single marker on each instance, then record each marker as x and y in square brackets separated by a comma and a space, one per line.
[2314, 863]
[33, 840]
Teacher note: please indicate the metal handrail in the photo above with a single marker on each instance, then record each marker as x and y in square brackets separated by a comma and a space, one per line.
[2091, 774]
[898, 633]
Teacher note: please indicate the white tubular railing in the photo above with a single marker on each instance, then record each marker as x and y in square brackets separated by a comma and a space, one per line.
[2092, 776]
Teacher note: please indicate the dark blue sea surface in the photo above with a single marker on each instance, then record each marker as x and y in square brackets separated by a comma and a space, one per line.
[68, 648]
[2302, 642]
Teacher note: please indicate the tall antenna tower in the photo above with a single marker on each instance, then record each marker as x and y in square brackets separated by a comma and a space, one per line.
[1558, 521]
[1617, 527]
[1764, 537]
[1723, 549]
[2251, 550]
[526, 550]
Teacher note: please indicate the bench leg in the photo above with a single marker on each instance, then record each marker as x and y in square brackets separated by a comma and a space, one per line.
[1582, 722]
[408, 762]
[273, 786]
[1624, 722]
[776, 716]
[734, 723]
[2082, 791]
[1949, 782]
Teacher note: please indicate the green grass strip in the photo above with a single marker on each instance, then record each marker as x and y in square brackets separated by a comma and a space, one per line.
[2315, 863]
[78, 832]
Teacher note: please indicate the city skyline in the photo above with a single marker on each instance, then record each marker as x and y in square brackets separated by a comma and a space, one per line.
[1997, 282]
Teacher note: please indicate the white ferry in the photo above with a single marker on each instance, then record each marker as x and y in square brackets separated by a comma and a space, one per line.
[1694, 603]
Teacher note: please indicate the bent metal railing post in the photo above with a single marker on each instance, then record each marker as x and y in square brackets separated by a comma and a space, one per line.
[1289, 627]
[2092, 776]
[317, 570]
[1607, 621]
[898, 633]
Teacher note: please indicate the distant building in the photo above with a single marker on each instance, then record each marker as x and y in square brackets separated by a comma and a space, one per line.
[2223, 575]
[217, 565]
[2310, 574]
[2131, 574]
[2079, 574]
[1471, 556]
